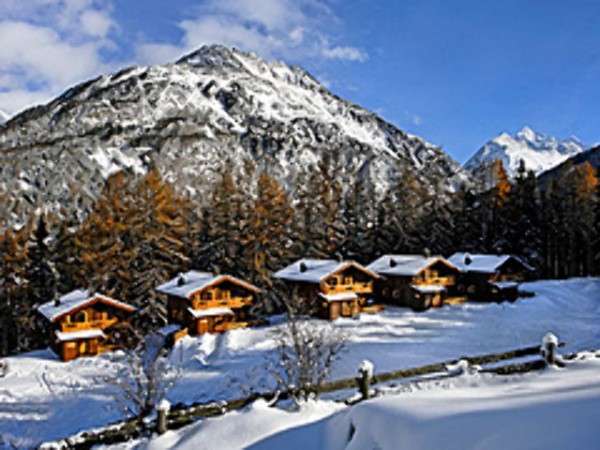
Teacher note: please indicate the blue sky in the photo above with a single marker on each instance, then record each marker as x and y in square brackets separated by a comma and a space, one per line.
[454, 72]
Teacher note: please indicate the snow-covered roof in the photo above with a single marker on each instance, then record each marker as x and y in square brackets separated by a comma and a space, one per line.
[504, 284]
[468, 262]
[187, 284]
[210, 312]
[428, 288]
[316, 270]
[339, 297]
[77, 335]
[405, 265]
[76, 299]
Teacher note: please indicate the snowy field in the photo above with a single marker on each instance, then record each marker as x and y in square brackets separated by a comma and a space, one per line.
[555, 409]
[43, 398]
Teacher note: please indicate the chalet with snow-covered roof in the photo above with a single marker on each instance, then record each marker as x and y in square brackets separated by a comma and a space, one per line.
[202, 302]
[84, 324]
[415, 281]
[490, 277]
[330, 288]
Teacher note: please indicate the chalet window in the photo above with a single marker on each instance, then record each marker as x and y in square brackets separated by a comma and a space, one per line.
[347, 280]
[207, 295]
[81, 316]
[333, 281]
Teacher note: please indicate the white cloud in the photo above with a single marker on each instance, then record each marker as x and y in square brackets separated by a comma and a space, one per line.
[294, 29]
[47, 45]
[96, 23]
[41, 55]
[416, 119]
[348, 53]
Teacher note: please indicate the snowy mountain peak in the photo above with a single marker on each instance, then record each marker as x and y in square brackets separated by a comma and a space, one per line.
[539, 151]
[215, 104]
[528, 134]
[214, 55]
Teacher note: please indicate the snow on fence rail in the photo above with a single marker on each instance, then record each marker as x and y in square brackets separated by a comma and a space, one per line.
[180, 415]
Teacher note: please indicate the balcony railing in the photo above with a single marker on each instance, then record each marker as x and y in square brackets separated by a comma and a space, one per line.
[358, 288]
[438, 281]
[232, 302]
[89, 325]
[223, 327]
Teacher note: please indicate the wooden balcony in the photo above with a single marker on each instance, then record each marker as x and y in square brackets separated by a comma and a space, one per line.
[358, 288]
[232, 302]
[435, 281]
[227, 326]
[90, 325]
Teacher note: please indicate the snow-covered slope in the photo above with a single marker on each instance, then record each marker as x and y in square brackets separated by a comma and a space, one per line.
[187, 118]
[41, 395]
[554, 409]
[538, 151]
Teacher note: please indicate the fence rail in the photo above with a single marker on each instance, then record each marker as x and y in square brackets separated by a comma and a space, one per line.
[181, 415]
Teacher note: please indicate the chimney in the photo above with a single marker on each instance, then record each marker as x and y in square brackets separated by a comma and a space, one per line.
[302, 267]
[180, 280]
[468, 259]
[427, 252]
[340, 258]
[393, 262]
[57, 301]
[217, 271]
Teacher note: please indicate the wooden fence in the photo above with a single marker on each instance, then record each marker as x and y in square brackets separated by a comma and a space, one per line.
[180, 415]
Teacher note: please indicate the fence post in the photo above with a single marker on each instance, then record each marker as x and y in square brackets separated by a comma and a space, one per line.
[549, 346]
[162, 410]
[366, 375]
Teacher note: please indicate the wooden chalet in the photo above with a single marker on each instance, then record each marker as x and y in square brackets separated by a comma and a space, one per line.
[330, 288]
[202, 302]
[415, 281]
[84, 324]
[490, 277]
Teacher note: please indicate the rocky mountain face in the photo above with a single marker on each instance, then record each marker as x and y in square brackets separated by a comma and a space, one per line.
[538, 151]
[187, 118]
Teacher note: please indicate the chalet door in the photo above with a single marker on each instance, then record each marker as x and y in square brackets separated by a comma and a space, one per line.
[69, 351]
[335, 310]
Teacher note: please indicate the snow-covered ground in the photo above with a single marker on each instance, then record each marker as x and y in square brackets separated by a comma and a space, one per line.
[555, 409]
[43, 398]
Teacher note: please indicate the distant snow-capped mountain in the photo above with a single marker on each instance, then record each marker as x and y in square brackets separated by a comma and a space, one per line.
[539, 151]
[187, 118]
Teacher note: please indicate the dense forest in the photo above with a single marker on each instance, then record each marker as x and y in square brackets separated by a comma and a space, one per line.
[141, 233]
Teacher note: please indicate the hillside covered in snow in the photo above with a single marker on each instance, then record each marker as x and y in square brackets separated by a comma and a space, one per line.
[539, 151]
[40, 395]
[187, 118]
[555, 409]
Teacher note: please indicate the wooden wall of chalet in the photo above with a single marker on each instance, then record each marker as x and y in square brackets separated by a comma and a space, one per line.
[398, 291]
[75, 349]
[100, 316]
[477, 285]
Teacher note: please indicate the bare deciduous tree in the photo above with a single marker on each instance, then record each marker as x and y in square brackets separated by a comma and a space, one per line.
[144, 377]
[306, 351]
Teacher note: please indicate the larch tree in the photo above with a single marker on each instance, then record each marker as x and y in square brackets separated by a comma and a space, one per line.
[13, 248]
[267, 242]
